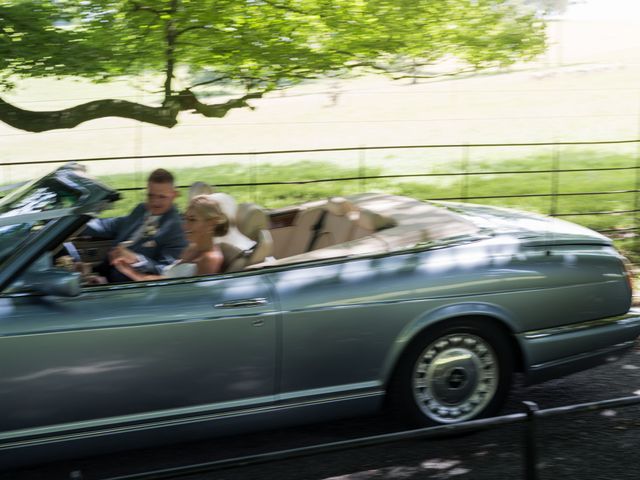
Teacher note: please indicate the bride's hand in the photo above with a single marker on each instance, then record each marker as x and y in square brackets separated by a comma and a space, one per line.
[123, 266]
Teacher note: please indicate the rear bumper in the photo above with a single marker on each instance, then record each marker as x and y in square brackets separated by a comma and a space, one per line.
[559, 351]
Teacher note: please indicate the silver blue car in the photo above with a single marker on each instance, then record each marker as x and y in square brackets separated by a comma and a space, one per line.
[343, 306]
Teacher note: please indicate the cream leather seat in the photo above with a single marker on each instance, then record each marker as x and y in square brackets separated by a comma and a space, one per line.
[338, 224]
[300, 236]
[253, 222]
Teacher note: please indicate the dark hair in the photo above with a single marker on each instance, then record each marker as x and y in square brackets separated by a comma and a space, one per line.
[160, 175]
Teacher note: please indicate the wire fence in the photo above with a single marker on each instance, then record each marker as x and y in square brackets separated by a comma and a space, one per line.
[463, 172]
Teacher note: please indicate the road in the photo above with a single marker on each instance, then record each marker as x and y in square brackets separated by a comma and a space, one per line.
[596, 445]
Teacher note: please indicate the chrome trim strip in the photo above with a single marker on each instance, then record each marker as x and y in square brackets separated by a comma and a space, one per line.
[138, 325]
[328, 392]
[321, 308]
[613, 349]
[84, 430]
[632, 317]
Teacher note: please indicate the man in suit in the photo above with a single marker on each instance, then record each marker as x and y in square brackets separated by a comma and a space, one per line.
[150, 237]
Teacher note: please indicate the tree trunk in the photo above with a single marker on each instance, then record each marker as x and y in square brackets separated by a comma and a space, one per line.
[170, 37]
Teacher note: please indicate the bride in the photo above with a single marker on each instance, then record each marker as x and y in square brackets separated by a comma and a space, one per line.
[203, 221]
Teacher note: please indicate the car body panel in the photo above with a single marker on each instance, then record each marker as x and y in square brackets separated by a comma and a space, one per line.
[544, 347]
[24, 447]
[537, 229]
[129, 350]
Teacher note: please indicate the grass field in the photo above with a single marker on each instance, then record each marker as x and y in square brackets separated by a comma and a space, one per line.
[515, 177]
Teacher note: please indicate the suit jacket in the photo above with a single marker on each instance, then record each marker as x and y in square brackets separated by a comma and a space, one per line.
[156, 250]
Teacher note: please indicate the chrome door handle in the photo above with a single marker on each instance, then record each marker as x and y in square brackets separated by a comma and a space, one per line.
[244, 303]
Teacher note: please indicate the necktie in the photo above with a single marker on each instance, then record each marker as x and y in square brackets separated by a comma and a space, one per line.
[147, 228]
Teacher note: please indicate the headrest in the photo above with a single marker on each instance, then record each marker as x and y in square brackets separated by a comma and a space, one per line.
[374, 221]
[339, 206]
[199, 188]
[251, 220]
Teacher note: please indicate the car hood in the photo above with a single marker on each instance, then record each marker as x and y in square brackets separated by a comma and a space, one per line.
[530, 228]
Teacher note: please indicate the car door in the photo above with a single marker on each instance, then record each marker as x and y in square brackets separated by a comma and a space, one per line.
[339, 323]
[170, 347]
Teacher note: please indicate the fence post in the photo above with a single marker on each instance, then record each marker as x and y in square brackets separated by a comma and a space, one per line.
[138, 176]
[555, 180]
[464, 167]
[636, 194]
[253, 176]
[531, 450]
[6, 175]
[362, 168]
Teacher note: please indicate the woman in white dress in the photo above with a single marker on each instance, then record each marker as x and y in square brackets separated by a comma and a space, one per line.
[203, 221]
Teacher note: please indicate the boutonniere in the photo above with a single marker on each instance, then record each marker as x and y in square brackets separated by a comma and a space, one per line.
[150, 230]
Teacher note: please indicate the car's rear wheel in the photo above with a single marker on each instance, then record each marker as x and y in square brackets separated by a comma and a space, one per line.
[453, 372]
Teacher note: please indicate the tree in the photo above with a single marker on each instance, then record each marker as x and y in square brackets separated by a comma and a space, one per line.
[249, 46]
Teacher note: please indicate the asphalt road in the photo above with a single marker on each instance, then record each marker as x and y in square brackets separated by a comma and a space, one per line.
[594, 445]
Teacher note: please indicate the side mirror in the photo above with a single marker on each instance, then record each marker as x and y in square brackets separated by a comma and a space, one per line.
[53, 281]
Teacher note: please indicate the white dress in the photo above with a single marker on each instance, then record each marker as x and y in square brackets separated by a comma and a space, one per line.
[234, 236]
[180, 269]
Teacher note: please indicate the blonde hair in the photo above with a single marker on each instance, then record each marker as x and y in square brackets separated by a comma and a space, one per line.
[207, 208]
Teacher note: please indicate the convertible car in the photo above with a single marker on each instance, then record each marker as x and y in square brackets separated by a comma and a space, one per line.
[343, 305]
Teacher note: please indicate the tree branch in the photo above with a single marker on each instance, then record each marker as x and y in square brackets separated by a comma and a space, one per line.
[188, 101]
[34, 121]
[209, 82]
[192, 27]
[462, 71]
[164, 116]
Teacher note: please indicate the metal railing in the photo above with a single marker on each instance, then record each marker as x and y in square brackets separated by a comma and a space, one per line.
[529, 440]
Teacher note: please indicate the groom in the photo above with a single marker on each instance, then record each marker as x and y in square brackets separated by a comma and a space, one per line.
[151, 236]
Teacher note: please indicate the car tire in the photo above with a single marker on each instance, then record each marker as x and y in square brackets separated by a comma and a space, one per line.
[453, 372]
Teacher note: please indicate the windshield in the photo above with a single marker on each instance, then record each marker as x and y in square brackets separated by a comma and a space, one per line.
[28, 209]
[48, 194]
